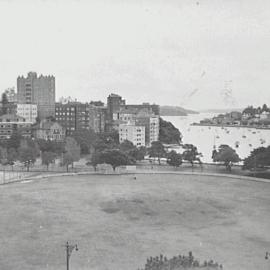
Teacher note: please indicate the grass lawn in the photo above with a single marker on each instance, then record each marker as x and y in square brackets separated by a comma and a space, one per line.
[118, 222]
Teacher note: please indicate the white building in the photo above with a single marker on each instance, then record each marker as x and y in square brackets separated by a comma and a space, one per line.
[132, 133]
[265, 116]
[27, 111]
[154, 129]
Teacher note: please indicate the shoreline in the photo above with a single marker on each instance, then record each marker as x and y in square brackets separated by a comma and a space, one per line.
[225, 126]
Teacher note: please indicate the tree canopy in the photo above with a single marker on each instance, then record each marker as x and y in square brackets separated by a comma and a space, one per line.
[191, 154]
[258, 158]
[106, 140]
[227, 155]
[157, 150]
[73, 149]
[27, 155]
[174, 159]
[85, 138]
[48, 158]
[168, 133]
[51, 146]
[113, 157]
[4, 102]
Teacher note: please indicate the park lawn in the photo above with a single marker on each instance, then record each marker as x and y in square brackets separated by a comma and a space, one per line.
[118, 221]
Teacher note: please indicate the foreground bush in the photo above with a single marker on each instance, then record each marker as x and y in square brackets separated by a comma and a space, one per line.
[179, 263]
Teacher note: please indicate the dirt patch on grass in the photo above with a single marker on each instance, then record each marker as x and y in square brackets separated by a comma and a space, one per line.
[131, 208]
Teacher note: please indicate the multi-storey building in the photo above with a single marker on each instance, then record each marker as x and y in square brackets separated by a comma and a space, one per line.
[132, 133]
[10, 123]
[37, 90]
[48, 130]
[27, 111]
[114, 102]
[119, 111]
[97, 118]
[72, 116]
[151, 124]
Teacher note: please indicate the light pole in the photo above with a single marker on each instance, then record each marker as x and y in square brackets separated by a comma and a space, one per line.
[267, 255]
[69, 249]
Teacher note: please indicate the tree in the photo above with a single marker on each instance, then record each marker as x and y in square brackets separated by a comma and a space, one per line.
[265, 108]
[95, 160]
[12, 156]
[249, 110]
[113, 157]
[174, 159]
[51, 146]
[137, 153]
[48, 158]
[4, 103]
[85, 138]
[27, 155]
[132, 151]
[191, 154]
[67, 159]
[3, 155]
[258, 158]
[168, 133]
[157, 150]
[73, 148]
[127, 146]
[106, 141]
[15, 140]
[227, 155]
[32, 144]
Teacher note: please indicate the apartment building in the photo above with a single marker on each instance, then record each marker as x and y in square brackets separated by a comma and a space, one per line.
[10, 123]
[132, 133]
[37, 90]
[72, 116]
[27, 111]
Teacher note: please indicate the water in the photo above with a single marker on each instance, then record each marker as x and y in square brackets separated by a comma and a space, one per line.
[205, 138]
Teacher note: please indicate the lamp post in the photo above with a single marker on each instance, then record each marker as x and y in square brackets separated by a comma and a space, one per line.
[69, 249]
[267, 255]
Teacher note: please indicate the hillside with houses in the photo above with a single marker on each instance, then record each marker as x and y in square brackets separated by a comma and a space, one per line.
[249, 117]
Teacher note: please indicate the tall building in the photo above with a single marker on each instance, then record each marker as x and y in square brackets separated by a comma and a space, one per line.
[114, 103]
[132, 133]
[97, 118]
[37, 90]
[72, 116]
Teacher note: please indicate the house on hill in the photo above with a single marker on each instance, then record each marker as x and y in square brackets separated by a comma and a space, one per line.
[49, 130]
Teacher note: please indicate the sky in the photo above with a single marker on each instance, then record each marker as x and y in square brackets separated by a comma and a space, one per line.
[197, 54]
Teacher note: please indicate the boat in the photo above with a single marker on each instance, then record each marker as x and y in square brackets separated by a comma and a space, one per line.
[244, 136]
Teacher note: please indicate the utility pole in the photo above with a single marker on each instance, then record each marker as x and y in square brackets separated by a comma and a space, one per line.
[69, 249]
